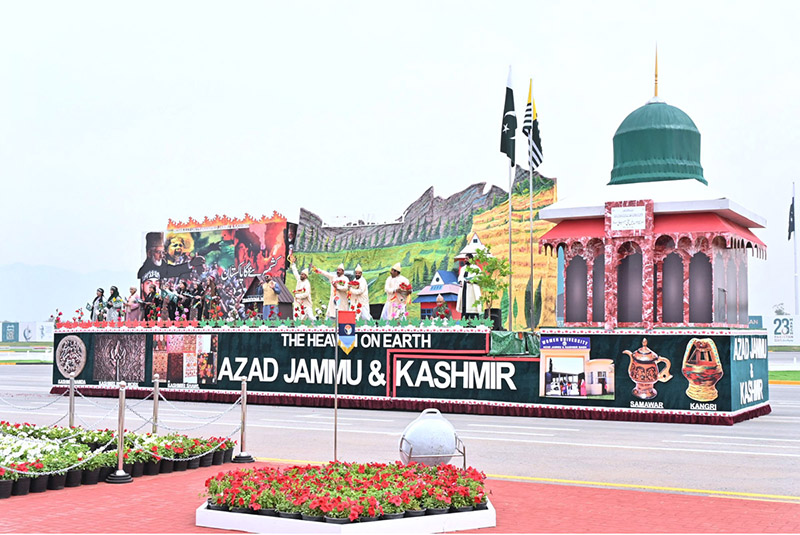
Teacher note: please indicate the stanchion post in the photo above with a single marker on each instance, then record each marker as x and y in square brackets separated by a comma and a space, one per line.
[156, 394]
[72, 399]
[243, 456]
[120, 476]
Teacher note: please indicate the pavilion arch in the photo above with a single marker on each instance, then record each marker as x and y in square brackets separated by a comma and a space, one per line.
[596, 249]
[629, 283]
[672, 288]
[700, 289]
[665, 243]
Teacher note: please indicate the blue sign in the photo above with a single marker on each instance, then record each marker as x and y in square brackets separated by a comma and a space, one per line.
[564, 342]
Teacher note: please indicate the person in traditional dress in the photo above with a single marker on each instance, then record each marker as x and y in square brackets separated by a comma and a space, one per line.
[133, 306]
[97, 307]
[114, 305]
[303, 306]
[469, 296]
[442, 311]
[398, 294]
[271, 290]
[339, 284]
[359, 295]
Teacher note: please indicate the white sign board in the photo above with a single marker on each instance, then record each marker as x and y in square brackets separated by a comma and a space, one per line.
[628, 218]
[782, 330]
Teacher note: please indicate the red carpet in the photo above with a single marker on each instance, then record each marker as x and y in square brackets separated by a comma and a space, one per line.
[166, 504]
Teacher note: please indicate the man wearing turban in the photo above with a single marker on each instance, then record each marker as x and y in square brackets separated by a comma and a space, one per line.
[339, 284]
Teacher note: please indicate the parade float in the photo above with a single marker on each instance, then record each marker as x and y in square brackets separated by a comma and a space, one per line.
[654, 302]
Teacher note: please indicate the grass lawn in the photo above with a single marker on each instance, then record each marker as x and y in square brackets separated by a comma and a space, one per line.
[784, 375]
[24, 346]
[784, 349]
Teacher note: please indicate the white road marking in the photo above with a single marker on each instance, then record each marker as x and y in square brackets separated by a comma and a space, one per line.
[512, 433]
[620, 446]
[323, 417]
[525, 427]
[728, 444]
[733, 437]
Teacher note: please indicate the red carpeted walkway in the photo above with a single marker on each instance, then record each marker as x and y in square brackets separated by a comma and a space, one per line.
[166, 504]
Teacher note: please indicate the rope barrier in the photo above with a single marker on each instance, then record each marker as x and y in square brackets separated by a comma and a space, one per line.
[106, 415]
[212, 450]
[174, 407]
[35, 408]
[63, 470]
[162, 424]
[89, 400]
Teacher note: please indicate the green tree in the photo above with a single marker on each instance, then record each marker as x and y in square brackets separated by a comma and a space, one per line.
[492, 278]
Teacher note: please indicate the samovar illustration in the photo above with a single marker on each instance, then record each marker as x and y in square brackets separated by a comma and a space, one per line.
[702, 368]
[643, 370]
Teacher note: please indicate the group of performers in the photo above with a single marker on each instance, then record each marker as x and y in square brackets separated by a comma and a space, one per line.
[346, 294]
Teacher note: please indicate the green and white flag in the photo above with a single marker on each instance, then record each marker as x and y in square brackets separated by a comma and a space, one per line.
[509, 129]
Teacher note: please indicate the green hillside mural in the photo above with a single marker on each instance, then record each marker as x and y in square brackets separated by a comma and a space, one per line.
[428, 237]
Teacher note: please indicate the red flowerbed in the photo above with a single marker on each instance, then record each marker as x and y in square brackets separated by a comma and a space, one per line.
[347, 490]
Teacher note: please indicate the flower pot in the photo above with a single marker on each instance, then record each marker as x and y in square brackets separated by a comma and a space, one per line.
[152, 468]
[90, 477]
[207, 459]
[414, 512]
[245, 510]
[331, 520]
[5, 488]
[214, 507]
[73, 478]
[373, 518]
[392, 516]
[128, 468]
[460, 509]
[180, 466]
[437, 510]
[138, 469]
[39, 483]
[313, 518]
[482, 505]
[21, 487]
[167, 466]
[284, 514]
[57, 481]
[219, 455]
[106, 471]
[227, 455]
[267, 511]
[193, 463]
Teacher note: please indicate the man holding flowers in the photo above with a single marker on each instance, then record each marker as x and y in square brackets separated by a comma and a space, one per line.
[359, 295]
[339, 285]
[303, 307]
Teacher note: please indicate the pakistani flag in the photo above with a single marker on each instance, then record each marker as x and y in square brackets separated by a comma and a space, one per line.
[791, 218]
[530, 127]
[509, 129]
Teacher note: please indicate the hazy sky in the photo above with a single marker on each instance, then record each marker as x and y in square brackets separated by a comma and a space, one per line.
[115, 117]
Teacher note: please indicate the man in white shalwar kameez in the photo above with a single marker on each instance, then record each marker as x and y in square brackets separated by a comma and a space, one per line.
[359, 295]
[396, 299]
[303, 306]
[339, 283]
[469, 296]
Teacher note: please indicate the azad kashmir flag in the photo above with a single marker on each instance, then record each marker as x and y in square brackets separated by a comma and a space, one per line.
[530, 127]
[509, 128]
[347, 330]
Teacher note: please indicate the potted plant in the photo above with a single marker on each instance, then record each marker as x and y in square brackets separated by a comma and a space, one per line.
[491, 276]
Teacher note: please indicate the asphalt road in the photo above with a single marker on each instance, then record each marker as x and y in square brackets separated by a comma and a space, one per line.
[760, 456]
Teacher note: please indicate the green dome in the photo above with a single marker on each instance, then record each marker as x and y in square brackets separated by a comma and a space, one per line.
[656, 142]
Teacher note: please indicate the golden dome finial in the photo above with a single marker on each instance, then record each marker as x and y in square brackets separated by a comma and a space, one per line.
[656, 90]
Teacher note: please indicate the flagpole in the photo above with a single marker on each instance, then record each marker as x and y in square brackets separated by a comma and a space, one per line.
[530, 207]
[796, 287]
[336, 399]
[510, 300]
